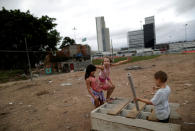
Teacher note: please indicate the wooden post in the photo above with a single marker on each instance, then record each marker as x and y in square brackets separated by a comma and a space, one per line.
[133, 90]
[28, 59]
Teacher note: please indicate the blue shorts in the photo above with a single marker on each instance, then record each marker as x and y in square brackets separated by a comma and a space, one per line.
[100, 95]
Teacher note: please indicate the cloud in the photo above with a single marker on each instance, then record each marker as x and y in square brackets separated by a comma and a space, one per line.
[120, 16]
[171, 32]
[184, 6]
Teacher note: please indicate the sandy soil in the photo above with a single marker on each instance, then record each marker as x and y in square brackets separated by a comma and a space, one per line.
[46, 105]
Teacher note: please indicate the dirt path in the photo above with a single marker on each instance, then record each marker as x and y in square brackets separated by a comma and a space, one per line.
[46, 105]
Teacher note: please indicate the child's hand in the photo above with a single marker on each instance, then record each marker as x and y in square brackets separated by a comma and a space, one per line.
[136, 99]
[155, 88]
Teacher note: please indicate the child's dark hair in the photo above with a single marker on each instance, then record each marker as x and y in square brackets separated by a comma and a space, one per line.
[162, 76]
[90, 68]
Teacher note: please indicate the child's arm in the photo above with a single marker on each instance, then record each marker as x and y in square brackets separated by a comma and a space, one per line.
[89, 89]
[144, 100]
[121, 62]
[99, 67]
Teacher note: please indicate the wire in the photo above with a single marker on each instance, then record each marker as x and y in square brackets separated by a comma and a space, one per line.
[21, 51]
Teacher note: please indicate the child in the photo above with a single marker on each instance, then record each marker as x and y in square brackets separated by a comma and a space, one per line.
[160, 99]
[93, 86]
[104, 76]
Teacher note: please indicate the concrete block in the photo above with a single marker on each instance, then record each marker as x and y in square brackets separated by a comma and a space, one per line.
[102, 121]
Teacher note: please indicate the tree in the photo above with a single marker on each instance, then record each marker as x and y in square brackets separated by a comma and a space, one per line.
[67, 41]
[16, 26]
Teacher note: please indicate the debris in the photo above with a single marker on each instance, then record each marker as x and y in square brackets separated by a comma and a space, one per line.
[68, 127]
[80, 78]
[66, 84]
[35, 75]
[24, 75]
[186, 102]
[187, 84]
[10, 103]
[134, 68]
[189, 123]
[29, 105]
[87, 115]
[20, 103]
[88, 96]
[50, 81]
[66, 105]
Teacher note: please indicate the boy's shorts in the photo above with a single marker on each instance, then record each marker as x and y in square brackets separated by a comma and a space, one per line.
[165, 120]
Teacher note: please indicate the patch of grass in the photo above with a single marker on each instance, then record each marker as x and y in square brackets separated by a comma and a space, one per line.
[133, 59]
[10, 75]
[140, 58]
[97, 61]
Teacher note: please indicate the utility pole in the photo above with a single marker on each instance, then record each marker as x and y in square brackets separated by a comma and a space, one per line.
[141, 24]
[112, 51]
[74, 29]
[28, 59]
[186, 32]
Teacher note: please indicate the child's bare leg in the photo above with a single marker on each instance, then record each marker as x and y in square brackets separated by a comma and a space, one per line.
[101, 103]
[109, 92]
[97, 103]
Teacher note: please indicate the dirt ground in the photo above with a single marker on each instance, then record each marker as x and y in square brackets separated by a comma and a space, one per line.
[46, 105]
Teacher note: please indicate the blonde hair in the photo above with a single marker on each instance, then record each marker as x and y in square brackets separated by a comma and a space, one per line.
[107, 58]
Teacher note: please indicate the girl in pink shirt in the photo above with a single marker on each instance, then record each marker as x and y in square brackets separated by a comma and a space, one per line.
[93, 86]
[104, 75]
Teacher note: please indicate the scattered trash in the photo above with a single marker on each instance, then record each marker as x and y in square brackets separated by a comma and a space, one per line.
[68, 127]
[86, 115]
[88, 96]
[66, 84]
[66, 105]
[29, 105]
[187, 84]
[189, 123]
[35, 75]
[24, 75]
[80, 78]
[134, 68]
[10, 103]
[186, 102]
[50, 81]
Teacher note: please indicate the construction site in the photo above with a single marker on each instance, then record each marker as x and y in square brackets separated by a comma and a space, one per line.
[61, 101]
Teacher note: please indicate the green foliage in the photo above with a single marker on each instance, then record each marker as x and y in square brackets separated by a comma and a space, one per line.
[9, 75]
[97, 61]
[16, 26]
[67, 41]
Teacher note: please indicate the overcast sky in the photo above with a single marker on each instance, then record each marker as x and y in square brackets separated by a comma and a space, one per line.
[120, 16]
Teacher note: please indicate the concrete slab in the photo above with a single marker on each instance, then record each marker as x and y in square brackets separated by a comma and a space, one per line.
[100, 120]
